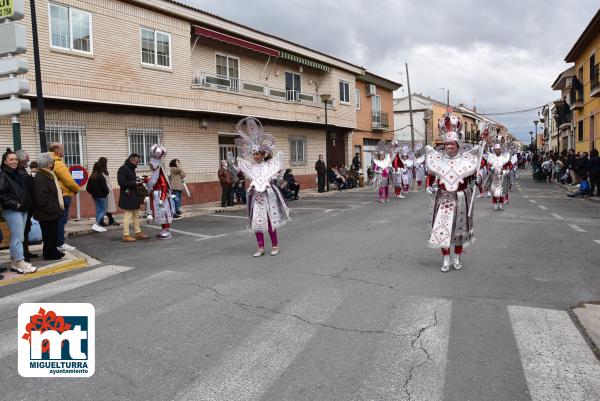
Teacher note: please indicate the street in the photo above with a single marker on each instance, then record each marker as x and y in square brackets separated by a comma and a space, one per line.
[353, 308]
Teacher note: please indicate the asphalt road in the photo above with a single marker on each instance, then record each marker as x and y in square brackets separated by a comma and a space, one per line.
[353, 308]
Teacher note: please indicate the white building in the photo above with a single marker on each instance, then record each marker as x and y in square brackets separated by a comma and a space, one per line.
[421, 107]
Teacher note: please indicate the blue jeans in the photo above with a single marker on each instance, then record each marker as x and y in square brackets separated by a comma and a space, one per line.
[16, 224]
[177, 199]
[62, 221]
[100, 209]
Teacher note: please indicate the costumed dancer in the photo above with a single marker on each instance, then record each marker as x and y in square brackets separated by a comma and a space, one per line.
[267, 209]
[397, 167]
[419, 166]
[159, 190]
[482, 174]
[498, 179]
[452, 170]
[383, 164]
[407, 158]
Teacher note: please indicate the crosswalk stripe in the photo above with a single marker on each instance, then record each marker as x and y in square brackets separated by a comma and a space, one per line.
[577, 228]
[254, 365]
[557, 362]
[597, 241]
[542, 207]
[11, 302]
[557, 216]
[414, 366]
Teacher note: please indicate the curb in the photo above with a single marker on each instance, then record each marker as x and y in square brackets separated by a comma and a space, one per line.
[55, 268]
[582, 326]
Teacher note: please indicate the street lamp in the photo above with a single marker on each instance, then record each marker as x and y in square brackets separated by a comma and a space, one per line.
[531, 142]
[325, 99]
[535, 122]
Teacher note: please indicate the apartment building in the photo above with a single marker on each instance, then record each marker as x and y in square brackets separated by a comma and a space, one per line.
[563, 135]
[119, 76]
[374, 97]
[584, 86]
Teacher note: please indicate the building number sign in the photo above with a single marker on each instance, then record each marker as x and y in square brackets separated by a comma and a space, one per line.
[7, 8]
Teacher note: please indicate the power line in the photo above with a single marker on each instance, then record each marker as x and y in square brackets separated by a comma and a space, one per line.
[503, 113]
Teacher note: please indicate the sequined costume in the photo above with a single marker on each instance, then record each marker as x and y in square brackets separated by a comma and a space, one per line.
[161, 199]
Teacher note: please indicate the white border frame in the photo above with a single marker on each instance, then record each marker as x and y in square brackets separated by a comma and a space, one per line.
[348, 83]
[70, 25]
[228, 56]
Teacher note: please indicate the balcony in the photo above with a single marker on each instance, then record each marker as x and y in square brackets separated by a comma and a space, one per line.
[379, 120]
[576, 99]
[595, 81]
[243, 87]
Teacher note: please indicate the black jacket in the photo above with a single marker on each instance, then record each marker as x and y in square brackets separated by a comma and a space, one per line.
[15, 189]
[97, 187]
[128, 199]
[320, 167]
[45, 197]
[594, 167]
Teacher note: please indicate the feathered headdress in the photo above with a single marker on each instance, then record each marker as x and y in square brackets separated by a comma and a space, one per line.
[450, 128]
[384, 147]
[252, 137]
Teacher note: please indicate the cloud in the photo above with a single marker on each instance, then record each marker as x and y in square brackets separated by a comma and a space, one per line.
[503, 53]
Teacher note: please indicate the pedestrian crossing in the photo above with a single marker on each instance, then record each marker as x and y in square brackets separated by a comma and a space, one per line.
[268, 341]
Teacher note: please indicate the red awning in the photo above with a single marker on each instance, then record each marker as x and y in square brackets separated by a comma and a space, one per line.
[200, 31]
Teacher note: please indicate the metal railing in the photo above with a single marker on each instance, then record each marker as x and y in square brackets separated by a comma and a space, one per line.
[214, 81]
[379, 119]
[575, 96]
[594, 78]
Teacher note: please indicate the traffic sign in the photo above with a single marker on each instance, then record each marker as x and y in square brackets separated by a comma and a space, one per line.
[12, 65]
[14, 38]
[13, 107]
[79, 174]
[13, 86]
[11, 9]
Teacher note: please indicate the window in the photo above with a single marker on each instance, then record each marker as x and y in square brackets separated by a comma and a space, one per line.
[140, 141]
[293, 86]
[297, 151]
[357, 98]
[156, 48]
[227, 145]
[344, 92]
[71, 136]
[70, 29]
[580, 131]
[229, 67]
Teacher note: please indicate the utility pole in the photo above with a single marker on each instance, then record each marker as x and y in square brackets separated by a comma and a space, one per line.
[448, 99]
[412, 128]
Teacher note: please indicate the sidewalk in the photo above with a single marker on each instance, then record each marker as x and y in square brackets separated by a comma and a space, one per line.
[83, 226]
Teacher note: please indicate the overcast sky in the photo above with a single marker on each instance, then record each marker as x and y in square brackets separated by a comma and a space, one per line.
[502, 54]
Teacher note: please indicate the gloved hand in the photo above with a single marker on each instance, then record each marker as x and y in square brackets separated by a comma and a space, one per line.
[430, 191]
[160, 204]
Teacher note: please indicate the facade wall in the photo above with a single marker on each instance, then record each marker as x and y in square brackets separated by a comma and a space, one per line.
[591, 105]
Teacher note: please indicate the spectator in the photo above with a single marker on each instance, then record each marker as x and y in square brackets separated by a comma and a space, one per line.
[581, 166]
[356, 162]
[548, 168]
[352, 177]
[33, 167]
[226, 181]
[584, 189]
[23, 157]
[15, 197]
[128, 199]
[291, 182]
[594, 172]
[69, 188]
[48, 205]
[111, 205]
[570, 164]
[98, 189]
[177, 176]
[321, 173]
[241, 189]
[339, 179]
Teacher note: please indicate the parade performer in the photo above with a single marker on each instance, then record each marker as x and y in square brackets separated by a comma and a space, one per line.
[452, 170]
[159, 190]
[498, 179]
[407, 158]
[397, 167]
[267, 209]
[419, 166]
[482, 174]
[383, 164]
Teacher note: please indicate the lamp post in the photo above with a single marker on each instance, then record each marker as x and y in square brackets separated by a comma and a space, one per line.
[535, 122]
[531, 142]
[325, 99]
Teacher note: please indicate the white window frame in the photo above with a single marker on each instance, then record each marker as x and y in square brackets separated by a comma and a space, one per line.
[296, 161]
[357, 98]
[298, 91]
[155, 64]
[239, 63]
[70, 10]
[144, 157]
[58, 128]
[342, 82]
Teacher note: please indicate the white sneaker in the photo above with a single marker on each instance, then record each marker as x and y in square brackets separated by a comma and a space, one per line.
[275, 251]
[66, 247]
[446, 264]
[14, 266]
[478, 196]
[25, 267]
[259, 253]
[98, 229]
[402, 196]
[149, 218]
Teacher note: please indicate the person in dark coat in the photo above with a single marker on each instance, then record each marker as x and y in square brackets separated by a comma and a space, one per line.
[98, 189]
[226, 180]
[128, 199]
[15, 197]
[321, 169]
[291, 182]
[594, 172]
[48, 205]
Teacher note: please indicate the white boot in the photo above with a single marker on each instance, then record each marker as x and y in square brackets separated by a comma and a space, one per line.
[259, 253]
[501, 207]
[446, 264]
[456, 262]
[401, 196]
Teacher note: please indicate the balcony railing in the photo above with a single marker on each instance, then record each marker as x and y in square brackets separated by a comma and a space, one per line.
[379, 120]
[226, 84]
[595, 81]
[576, 98]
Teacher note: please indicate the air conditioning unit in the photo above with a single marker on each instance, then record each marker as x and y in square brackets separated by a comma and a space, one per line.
[371, 90]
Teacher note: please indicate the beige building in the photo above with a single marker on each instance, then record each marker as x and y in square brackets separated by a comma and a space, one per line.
[119, 76]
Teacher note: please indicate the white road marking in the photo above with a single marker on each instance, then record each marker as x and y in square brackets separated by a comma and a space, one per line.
[597, 241]
[557, 216]
[576, 228]
[526, 196]
[557, 362]
[324, 209]
[394, 364]
[532, 201]
[328, 200]
[542, 207]
[247, 372]
[181, 232]
[46, 291]
[231, 216]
